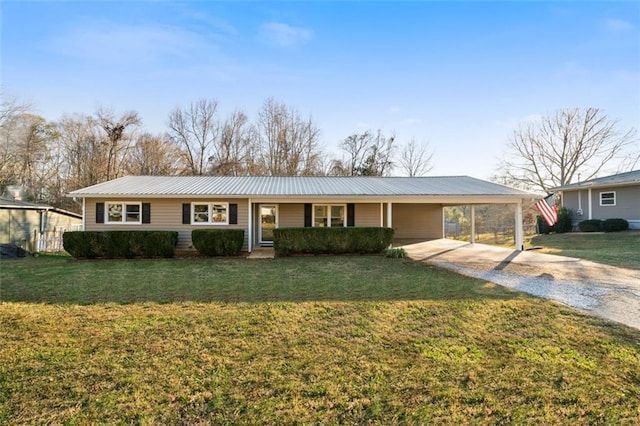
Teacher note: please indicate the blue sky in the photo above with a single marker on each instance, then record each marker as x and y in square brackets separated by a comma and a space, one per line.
[460, 75]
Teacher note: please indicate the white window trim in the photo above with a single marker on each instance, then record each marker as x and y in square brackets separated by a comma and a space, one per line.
[124, 212]
[209, 205]
[329, 205]
[614, 198]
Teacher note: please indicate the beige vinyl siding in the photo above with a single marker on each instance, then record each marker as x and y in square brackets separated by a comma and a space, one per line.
[367, 214]
[417, 220]
[166, 215]
[57, 221]
[291, 215]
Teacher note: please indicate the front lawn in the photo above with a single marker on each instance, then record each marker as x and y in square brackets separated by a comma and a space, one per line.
[612, 248]
[338, 340]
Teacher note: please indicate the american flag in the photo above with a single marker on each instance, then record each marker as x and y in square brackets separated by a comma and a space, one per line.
[548, 209]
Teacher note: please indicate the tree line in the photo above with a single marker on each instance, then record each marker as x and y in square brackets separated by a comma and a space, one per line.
[49, 159]
[46, 160]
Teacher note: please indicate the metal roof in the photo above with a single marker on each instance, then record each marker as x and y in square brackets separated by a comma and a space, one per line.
[628, 178]
[292, 186]
[10, 203]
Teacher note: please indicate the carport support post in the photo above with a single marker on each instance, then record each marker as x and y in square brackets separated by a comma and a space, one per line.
[518, 229]
[249, 226]
[473, 223]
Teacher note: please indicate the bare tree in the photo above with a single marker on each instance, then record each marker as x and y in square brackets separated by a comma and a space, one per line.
[368, 154]
[195, 130]
[552, 151]
[85, 152]
[118, 140]
[29, 154]
[290, 144]
[153, 155]
[237, 148]
[416, 159]
[10, 112]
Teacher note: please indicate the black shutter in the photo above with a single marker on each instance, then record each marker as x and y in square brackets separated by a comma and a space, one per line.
[146, 212]
[233, 214]
[186, 214]
[351, 214]
[307, 215]
[99, 212]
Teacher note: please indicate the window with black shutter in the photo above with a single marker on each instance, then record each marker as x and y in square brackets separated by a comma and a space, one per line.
[233, 214]
[99, 212]
[146, 212]
[351, 214]
[186, 214]
[308, 208]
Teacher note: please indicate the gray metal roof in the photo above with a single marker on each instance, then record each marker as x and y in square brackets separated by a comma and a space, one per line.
[292, 186]
[10, 203]
[628, 178]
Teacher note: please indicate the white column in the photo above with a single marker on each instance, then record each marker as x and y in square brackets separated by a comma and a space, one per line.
[249, 226]
[84, 214]
[381, 215]
[519, 230]
[590, 217]
[473, 224]
[389, 215]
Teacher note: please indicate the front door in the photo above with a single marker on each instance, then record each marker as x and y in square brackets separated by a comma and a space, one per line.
[268, 222]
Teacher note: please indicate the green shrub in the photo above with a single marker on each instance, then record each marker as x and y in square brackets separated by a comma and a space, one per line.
[120, 244]
[396, 253]
[614, 225]
[218, 242]
[541, 226]
[340, 240]
[591, 225]
[564, 223]
[79, 245]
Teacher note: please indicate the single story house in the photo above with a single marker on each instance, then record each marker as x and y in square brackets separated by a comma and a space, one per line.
[610, 197]
[31, 225]
[413, 207]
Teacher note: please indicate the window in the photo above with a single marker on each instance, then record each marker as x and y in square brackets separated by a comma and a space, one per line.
[209, 214]
[608, 198]
[328, 215]
[123, 213]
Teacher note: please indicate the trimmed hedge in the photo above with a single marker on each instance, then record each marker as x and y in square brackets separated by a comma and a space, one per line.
[366, 240]
[614, 225]
[590, 225]
[218, 242]
[120, 244]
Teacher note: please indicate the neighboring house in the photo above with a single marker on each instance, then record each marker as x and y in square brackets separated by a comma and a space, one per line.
[609, 197]
[413, 207]
[35, 227]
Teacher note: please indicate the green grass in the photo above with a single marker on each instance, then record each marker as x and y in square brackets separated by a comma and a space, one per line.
[612, 248]
[330, 340]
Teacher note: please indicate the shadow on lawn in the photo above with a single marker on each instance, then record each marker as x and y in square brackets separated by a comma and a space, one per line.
[304, 279]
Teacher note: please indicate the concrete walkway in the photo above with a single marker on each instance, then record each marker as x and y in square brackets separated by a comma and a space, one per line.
[606, 291]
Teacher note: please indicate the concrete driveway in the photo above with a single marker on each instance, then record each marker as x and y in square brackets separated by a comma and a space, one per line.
[606, 291]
